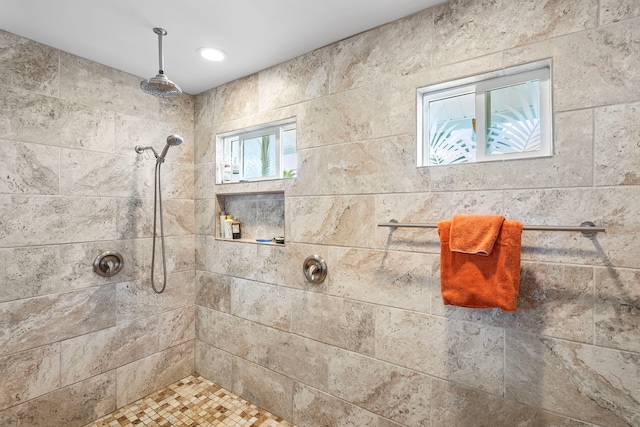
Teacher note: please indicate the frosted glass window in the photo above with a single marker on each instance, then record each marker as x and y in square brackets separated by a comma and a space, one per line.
[451, 130]
[513, 119]
[496, 116]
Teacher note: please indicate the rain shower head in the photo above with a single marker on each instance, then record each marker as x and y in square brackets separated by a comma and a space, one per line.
[172, 140]
[160, 85]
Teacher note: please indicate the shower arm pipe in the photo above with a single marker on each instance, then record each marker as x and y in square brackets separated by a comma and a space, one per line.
[587, 228]
[160, 32]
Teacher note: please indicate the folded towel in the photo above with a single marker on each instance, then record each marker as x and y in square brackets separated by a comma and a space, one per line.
[474, 234]
[475, 281]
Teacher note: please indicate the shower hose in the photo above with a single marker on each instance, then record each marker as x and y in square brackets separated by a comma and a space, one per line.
[157, 203]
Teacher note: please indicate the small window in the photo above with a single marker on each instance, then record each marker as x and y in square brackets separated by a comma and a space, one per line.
[257, 153]
[496, 116]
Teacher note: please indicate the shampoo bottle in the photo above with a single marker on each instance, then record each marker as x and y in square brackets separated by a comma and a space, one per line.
[228, 232]
[223, 217]
[235, 171]
[235, 228]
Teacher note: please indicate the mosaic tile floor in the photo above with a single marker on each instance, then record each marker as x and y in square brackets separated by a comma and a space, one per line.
[192, 402]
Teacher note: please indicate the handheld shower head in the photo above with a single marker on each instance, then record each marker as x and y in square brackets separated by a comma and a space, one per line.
[172, 140]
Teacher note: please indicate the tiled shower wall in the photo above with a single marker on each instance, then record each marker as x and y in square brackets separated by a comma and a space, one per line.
[373, 345]
[74, 345]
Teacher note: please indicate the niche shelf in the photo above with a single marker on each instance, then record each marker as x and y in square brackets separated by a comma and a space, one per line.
[261, 215]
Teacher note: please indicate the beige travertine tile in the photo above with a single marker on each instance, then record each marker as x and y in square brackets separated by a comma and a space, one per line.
[179, 252]
[229, 333]
[76, 262]
[72, 406]
[385, 165]
[205, 145]
[612, 208]
[382, 422]
[294, 81]
[38, 321]
[259, 302]
[41, 220]
[336, 321]
[85, 173]
[18, 55]
[131, 131]
[396, 393]
[176, 327]
[399, 48]
[454, 405]
[135, 217]
[296, 357]
[554, 300]
[417, 208]
[263, 387]
[137, 299]
[464, 352]
[283, 265]
[30, 117]
[87, 82]
[29, 374]
[214, 364]
[233, 258]
[617, 323]
[204, 180]
[29, 272]
[201, 252]
[237, 99]
[312, 408]
[466, 29]
[313, 163]
[101, 351]
[29, 168]
[396, 279]
[591, 68]
[368, 112]
[214, 291]
[139, 378]
[618, 10]
[178, 111]
[616, 145]
[339, 220]
[588, 383]
[204, 108]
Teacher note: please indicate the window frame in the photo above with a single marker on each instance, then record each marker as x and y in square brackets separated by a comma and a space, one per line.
[480, 85]
[225, 141]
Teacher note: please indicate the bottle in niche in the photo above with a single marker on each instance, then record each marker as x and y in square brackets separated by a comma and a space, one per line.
[235, 171]
[235, 228]
[226, 173]
[228, 232]
[223, 218]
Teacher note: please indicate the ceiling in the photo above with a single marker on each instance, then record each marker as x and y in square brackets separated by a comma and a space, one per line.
[255, 34]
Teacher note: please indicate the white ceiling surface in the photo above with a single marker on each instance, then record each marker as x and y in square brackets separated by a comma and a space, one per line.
[255, 34]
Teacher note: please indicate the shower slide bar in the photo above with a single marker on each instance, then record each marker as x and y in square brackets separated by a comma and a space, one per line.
[587, 228]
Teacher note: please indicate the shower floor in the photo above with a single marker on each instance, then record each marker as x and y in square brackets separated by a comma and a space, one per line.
[193, 402]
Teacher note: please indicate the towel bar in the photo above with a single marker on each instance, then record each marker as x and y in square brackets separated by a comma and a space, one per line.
[587, 228]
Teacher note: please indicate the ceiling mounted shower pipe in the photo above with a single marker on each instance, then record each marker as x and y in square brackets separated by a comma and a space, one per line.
[160, 85]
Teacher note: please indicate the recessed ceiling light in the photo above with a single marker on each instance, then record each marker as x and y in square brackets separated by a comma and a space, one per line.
[212, 54]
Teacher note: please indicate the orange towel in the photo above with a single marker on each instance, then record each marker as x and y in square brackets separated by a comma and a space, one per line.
[482, 281]
[474, 234]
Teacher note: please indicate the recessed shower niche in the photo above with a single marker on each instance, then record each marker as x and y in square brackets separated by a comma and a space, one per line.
[261, 216]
